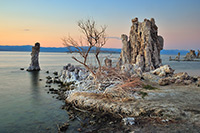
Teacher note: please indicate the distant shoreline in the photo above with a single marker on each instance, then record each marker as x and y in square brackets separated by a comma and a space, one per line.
[28, 48]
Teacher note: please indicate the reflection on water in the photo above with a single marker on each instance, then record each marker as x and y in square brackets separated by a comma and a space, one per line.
[35, 86]
[34, 78]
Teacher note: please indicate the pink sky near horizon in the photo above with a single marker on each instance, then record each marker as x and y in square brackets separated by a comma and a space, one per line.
[26, 22]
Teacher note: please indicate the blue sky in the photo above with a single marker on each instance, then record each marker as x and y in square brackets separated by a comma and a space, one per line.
[23, 22]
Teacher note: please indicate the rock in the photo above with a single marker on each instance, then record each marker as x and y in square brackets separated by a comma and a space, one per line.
[108, 63]
[129, 121]
[48, 77]
[79, 129]
[21, 68]
[64, 127]
[187, 82]
[170, 58]
[198, 83]
[164, 81]
[178, 81]
[178, 57]
[49, 81]
[143, 46]
[163, 71]
[198, 54]
[127, 68]
[151, 77]
[71, 68]
[34, 66]
[182, 76]
[51, 89]
[47, 72]
[190, 56]
[125, 56]
[55, 73]
[71, 74]
[57, 81]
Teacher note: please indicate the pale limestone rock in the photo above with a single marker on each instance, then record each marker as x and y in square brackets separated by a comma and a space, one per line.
[163, 71]
[182, 76]
[125, 56]
[143, 46]
[34, 66]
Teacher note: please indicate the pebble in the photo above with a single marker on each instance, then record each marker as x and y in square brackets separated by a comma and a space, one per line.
[79, 129]
[55, 73]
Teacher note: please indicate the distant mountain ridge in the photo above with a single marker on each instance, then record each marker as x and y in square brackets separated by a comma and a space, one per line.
[28, 48]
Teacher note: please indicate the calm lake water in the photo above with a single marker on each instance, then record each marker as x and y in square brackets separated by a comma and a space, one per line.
[25, 105]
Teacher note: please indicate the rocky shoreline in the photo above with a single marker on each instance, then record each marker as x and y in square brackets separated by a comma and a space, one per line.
[149, 104]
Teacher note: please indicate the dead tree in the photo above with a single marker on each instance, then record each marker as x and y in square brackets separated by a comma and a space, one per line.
[92, 37]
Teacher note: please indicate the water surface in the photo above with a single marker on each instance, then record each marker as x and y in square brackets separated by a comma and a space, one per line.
[25, 105]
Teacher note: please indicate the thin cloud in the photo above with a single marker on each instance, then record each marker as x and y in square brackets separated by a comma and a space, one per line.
[114, 37]
[26, 29]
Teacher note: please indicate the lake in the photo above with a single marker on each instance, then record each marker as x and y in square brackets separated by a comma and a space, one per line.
[25, 105]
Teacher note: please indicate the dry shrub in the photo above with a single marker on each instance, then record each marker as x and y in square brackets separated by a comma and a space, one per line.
[134, 82]
[103, 96]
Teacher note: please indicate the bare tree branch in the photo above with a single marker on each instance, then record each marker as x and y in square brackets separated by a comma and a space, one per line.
[93, 37]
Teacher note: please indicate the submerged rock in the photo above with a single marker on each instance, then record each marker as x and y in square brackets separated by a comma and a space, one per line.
[34, 66]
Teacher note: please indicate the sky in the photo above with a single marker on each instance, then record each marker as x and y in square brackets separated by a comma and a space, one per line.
[24, 22]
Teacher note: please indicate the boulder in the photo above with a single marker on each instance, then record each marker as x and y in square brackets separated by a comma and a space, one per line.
[164, 81]
[143, 45]
[182, 76]
[163, 71]
[187, 82]
[151, 77]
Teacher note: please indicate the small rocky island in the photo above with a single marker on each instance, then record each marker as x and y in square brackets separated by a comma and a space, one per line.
[34, 66]
[190, 56]
[138, 90]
